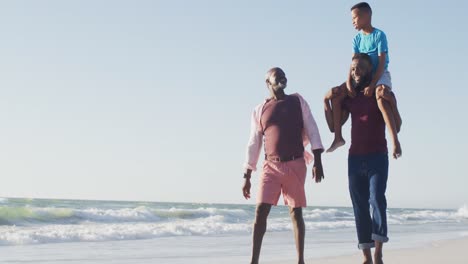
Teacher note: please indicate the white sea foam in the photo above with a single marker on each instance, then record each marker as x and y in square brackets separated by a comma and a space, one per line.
[428, 216]
[37, 222]
[31, 215]
[28, 215]
[184, 213]
[140, 213]
[462, 212]
[13, 235]
[327, 214]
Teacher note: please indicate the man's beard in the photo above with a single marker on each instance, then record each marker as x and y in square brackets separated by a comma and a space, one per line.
[363, 83]
[278, 86]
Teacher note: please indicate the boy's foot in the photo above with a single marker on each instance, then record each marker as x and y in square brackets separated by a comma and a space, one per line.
[336, 144]
[397, 150]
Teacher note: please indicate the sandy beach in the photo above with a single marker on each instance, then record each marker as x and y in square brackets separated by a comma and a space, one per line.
[445, 251]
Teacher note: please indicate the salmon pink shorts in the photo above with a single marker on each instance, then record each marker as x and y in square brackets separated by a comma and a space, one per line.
[287, 178]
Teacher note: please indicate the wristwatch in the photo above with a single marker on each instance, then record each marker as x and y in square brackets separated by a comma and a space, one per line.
[247, 176]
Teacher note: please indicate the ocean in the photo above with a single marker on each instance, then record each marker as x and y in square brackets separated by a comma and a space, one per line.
[82, 231]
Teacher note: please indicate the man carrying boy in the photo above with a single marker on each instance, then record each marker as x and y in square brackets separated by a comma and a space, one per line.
[287, 126]
[368, 159]
[373, 42]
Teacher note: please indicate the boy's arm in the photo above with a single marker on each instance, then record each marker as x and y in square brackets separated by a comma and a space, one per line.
[369, 91]
[382, 49]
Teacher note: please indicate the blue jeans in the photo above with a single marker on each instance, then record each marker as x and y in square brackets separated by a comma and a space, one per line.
[367, 176]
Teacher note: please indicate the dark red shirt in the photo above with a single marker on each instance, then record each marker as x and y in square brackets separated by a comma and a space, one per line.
[282, 124]
[367, 125]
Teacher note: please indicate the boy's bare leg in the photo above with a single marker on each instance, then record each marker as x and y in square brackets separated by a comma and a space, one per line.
[329, 112]
[259, 230]
[367, 256]
[299, 232]
[387, 113]
[378, 256]
[337, 100]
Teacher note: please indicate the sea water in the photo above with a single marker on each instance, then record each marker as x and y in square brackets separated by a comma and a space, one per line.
[78, 231]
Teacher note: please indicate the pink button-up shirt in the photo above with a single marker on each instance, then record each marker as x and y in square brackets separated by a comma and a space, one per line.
[310, 134]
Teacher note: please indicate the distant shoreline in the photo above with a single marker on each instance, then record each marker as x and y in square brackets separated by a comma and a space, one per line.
[206, 203]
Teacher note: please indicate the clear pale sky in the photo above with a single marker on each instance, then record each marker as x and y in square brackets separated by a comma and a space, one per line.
[151, 100]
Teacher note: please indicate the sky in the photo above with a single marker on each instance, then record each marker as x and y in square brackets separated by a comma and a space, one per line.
[151, 100]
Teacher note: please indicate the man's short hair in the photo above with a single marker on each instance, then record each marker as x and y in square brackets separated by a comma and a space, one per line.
[276, 70]
[363, 56]
[362, 6]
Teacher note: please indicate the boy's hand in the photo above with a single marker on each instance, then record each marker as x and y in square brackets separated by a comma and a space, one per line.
[369, 90]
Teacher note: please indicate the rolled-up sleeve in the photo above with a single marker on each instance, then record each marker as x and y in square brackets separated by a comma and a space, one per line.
[254, 145]
[311, 131]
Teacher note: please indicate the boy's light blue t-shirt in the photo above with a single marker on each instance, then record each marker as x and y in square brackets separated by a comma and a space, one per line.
[372, 44]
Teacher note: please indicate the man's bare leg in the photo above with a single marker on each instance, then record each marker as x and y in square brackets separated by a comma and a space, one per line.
[387, 113]
[299, 232]
[259, 230]
[378, 256]
[367, 256]
[337, 100]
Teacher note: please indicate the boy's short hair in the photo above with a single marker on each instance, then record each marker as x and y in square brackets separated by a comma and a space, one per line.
[362, 6]
[363, 56]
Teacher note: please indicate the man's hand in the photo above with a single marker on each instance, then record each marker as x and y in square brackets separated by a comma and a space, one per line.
[246, 189]
[317, 172]
[369, 90]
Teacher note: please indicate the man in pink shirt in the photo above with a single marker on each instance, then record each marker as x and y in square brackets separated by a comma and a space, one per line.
[286, 125]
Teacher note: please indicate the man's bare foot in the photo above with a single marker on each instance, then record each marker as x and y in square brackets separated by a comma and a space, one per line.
[367, 256]
[378, 259]
[336, 144]
[397, 150]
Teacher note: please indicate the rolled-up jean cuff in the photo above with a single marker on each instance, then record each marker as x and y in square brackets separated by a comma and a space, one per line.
[366, 245]
[379, 238]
